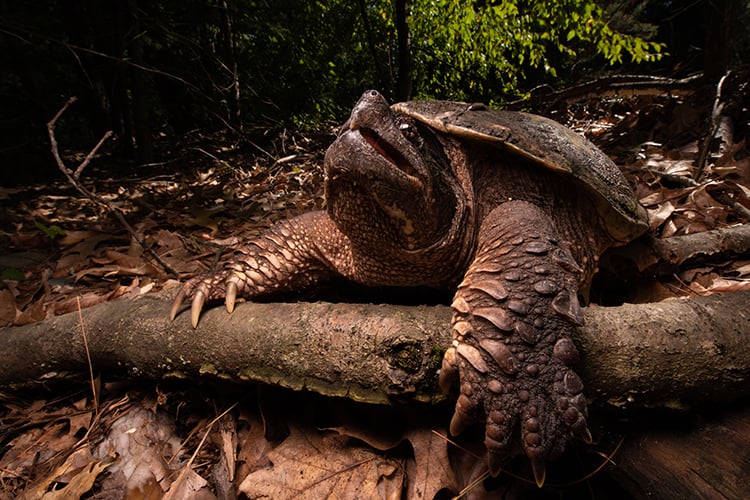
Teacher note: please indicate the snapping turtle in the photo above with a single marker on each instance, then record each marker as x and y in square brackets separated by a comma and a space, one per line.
[509, 210]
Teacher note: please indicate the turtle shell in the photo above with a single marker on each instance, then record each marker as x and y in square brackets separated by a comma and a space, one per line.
[546, 143]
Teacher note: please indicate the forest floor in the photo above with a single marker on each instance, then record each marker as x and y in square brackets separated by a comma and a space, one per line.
[60, 251]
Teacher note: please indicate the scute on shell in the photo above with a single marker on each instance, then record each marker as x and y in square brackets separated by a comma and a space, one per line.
[546, 143]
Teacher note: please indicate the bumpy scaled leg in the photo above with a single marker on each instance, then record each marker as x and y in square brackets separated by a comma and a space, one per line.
[291, 255]
[512, 316]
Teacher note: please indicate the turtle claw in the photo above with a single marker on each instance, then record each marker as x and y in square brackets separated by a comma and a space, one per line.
[585, 436]
[201, 289]
[448, 370]
[463, 415]
[177, 304]
[196, 307]
[231, 296]
[494, 464]
[540, 470]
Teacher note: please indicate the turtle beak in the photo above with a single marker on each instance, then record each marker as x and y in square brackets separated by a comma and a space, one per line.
[373, 122]
[371, 107]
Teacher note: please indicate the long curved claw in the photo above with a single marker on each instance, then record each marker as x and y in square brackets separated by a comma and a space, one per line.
[177, 304]
[540, 470]
[448, 370]
[585, 435]
[231, 296]
[196, 307]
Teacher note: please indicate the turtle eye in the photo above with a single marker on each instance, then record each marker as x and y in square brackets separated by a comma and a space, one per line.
[409, 130]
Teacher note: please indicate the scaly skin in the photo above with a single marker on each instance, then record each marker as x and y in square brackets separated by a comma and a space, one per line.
[409, 205]
[292, 255]
[512, 318]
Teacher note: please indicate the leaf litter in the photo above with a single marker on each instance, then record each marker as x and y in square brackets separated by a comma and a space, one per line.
[211, 191]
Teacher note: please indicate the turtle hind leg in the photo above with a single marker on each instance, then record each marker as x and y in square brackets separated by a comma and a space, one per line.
[512, 319]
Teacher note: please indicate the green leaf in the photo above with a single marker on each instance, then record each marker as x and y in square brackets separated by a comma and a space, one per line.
[12, 273]
[52, 232]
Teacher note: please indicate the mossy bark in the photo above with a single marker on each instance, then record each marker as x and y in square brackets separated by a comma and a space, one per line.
[670, 354]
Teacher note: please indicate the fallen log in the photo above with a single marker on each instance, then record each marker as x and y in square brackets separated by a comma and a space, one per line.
[664, 256]
[667, 354]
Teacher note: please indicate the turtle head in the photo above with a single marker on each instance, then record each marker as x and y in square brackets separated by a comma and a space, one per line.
[385, 171]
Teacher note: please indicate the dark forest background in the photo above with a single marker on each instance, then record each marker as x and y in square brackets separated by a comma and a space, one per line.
[153, 70]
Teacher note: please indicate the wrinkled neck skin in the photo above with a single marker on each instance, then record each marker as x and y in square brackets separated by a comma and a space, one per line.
[390, 189]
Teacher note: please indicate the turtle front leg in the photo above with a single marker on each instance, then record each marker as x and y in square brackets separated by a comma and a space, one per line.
[291, 255]
[512, 318]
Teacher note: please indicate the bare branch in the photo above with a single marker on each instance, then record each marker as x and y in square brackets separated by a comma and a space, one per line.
[72, 177]
[671, 353]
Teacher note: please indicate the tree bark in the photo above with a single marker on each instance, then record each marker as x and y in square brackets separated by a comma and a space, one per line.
[664, 256]
[403, 82]
[233, 101]
[668, 354]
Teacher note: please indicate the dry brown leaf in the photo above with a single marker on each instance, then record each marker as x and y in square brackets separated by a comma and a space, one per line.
[313, 465]
[33, 313]
[189, 484]
[79, 253]
[686, 221]
[168, 240]
[728, 285]
[37, 445]
[71, 304]
[228, 444]
[140, 439]
[79, 484]
[79, 471]
[432, 471]
[124, 260]
[742, 271]
[743, 193]
[80, 420]
[254, 450]
[72, 238]
[657, 217]
[656, 291]
[380, 439]
[142, 268]
[7, 307]
[207, 217]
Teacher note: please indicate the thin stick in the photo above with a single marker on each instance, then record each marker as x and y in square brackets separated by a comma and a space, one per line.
[73, 176]
[94, 393]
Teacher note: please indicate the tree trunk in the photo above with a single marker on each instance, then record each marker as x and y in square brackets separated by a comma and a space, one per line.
[404, 82]
[386, 78]
[670, 354]
[140, 101]
[720, 33]
[229, 54]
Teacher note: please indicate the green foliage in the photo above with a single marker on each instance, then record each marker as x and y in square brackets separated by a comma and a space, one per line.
[299, 62]
[11, 273]
[52, 231]
[484, 48]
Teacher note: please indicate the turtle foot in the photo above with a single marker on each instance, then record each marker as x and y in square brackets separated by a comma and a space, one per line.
[224, 283]
[512, 319]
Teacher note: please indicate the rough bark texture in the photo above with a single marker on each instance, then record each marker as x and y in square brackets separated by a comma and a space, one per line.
[665, 256]
[672, 353]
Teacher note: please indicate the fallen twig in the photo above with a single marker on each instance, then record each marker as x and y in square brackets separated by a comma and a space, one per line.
[73, 177]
